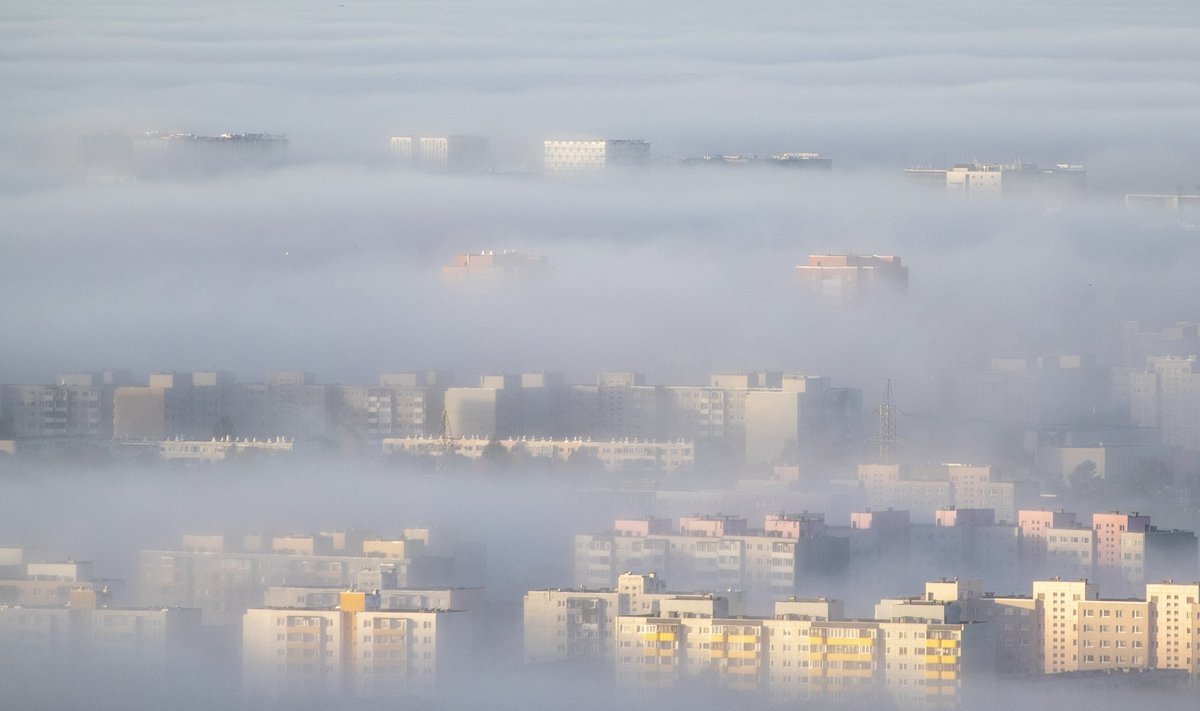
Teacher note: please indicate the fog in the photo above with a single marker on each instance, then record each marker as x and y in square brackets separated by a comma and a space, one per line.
[261, 272]
[327, 257]
[257, 271]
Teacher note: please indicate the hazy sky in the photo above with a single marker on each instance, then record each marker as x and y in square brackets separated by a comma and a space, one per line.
[331, 263]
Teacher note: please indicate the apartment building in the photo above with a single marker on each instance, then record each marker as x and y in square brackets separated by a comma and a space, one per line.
[1059, 600]
[1175, 625]
[612, 455]
[758, 417]
[1166, 395]
[843, 280]
[492, 269]
[579, 625]
[572, 157]
[715, 553]
[991, 181]
[949, 485]
[222, 449]
[1114, 634]
[468, 601]
[1035, 526]
[354, 649]
[803, 654]
[223, 581]
[76, 405]
[86, 628]
[441, 154]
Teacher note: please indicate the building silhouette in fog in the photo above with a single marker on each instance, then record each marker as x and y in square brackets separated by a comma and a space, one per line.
[173, 153]
[76, 405]
[224, 576]
[594, 156]
[995, 180]
[795, 161]
[715, 552]
[851, 279]
[441, 154]
[499, 269]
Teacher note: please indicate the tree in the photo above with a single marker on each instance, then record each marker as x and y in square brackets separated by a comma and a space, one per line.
[1084, 479]
[495, 455]
[581, 461]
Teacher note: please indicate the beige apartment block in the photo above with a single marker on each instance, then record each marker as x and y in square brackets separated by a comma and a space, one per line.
[224, 581]
[963, 486]
[1175, 622]
[834, 660]
[84, 628]
[925, 666]
[354, 649]
[1017, 627]
[1070, 552]
[712, 553]
[1114, 634]
[850, 279]
[803, 653]
[1060, 600]
[579, 625]
[686, 637]
[217, 450]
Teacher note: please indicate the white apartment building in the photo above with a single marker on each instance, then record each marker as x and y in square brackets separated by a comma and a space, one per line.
[351, 650]
[441, 154]
[565, 157]
[577, 625]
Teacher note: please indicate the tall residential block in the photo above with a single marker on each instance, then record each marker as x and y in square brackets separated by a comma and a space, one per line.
[851, 279]
[568, 157]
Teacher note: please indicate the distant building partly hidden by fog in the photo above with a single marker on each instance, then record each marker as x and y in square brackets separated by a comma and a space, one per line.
[593, 156]
[1164, 203]
[442, 154]
[614, 454]
[851, 279]
[54, 615]
[761, 417]
[792, 552]
[75, 405]
[505, 268]
[263, 142]
[171, 153]
[994, 180]
[223, 576]
[801, 161]
[1184, 209]
[220, 449]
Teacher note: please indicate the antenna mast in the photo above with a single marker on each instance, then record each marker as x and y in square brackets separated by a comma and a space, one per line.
[887, 426]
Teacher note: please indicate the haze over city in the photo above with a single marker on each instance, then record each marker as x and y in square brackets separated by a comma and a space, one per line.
[683, 355]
